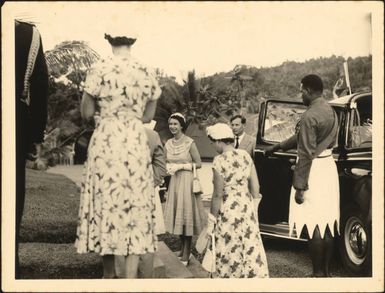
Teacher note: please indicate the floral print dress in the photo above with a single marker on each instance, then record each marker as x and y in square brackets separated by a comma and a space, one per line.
[238, 245]
[116, 213]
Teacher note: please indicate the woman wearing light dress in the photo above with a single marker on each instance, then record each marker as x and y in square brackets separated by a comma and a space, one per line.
[116, 214]
[233, 215]
[184, 211]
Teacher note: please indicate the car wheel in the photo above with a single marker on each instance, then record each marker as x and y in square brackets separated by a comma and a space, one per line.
[355, 242]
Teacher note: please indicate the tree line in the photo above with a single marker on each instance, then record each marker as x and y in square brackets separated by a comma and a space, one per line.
[203, 100]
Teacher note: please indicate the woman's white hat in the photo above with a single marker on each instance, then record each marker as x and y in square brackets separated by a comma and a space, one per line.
[219, 131]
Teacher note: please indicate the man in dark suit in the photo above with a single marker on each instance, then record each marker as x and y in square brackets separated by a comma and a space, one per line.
[241, 139]
[31, 77]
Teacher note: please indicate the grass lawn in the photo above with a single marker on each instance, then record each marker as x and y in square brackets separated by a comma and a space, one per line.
[49, 229]
[58, 261]
[51, 208]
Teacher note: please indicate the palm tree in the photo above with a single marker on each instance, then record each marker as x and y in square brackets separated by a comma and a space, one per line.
[170, 101]
[239, 78]
[72, 59]
[69, 59]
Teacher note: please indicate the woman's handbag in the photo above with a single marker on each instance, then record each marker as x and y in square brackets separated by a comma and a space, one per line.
[197, 188]
[208, 262]
[202, 241]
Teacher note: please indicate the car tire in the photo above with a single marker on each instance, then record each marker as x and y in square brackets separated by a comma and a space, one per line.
[355, 243]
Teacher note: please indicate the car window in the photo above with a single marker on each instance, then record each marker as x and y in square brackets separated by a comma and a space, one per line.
[281, 120]
[360, 126]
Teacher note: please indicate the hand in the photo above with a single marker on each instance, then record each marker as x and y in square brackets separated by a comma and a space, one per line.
[186, 166]
[299, 198]
[257, 201]
[339, 83]
[270, 150]
[171, 168]
[35, 153]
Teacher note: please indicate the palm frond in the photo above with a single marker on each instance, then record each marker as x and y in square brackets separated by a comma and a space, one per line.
[71, 55]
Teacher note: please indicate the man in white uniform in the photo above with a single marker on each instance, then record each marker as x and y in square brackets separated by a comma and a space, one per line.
[314, 201]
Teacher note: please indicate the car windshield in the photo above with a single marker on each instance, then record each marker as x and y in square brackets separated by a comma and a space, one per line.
[281, 120]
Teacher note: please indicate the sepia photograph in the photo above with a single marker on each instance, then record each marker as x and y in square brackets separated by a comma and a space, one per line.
[148, 144]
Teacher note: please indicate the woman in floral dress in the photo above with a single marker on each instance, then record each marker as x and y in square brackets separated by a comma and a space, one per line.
[184, 210]
[116, 214]
[233, 216]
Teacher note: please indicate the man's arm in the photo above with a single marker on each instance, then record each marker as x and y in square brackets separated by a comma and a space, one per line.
[252, 145]
[159, 163]
[306, 147]
[287, 144]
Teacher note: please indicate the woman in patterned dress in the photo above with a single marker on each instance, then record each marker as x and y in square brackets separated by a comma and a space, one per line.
[233, 215]
[184, 210]
[116, 213]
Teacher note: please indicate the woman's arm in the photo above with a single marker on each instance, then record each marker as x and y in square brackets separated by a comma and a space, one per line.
[216, 199]
[87, 106]
[254, 183]
[149, 111]
[195, 155]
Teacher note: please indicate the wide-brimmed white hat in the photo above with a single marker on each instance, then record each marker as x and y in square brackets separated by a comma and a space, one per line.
[219, 131]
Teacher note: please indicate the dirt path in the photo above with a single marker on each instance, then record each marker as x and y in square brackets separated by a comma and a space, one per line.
[74, 173]
[286, 258]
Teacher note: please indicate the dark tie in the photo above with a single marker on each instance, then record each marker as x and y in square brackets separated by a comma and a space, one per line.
[237, 142]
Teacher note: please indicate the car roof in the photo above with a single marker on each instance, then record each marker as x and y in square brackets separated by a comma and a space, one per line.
[344, 100]
[341, 101]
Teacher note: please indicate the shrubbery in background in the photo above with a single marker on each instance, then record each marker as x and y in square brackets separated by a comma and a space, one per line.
[203, 100]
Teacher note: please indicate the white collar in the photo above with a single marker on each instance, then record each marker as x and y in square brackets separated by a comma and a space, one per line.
[239, 138]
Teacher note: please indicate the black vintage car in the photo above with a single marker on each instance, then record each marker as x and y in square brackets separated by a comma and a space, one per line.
[353, 156]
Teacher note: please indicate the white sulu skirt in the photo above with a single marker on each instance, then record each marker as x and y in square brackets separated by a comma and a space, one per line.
[322, 200]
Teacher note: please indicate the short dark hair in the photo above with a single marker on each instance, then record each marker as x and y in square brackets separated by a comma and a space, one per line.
[225, 140]
[181, 121]
[243, 119]
[313, 82]
[119, 41]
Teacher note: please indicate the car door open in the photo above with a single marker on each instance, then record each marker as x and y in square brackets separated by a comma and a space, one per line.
[278, 121]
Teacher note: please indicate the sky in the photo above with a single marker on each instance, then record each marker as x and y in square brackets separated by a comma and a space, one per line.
[209, 37]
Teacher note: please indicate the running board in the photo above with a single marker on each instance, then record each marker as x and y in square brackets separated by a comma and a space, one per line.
[280, 230]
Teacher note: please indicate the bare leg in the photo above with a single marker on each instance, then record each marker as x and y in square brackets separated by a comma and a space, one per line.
[108, 266]
[329, 248]
[132, 264]
[146, 265]
[186, 248]
[120, 265]
[317, 254]
[181, 237]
